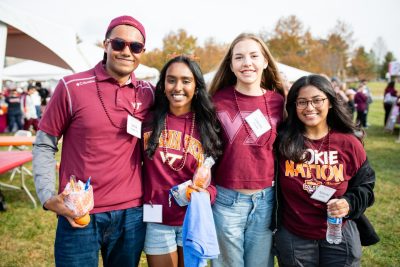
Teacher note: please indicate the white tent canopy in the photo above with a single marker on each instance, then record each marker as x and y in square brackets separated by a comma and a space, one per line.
[291, 73]
[32, 37]
[33, 70]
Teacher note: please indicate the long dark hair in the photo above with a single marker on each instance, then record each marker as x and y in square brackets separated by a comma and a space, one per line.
[291, 133]
[206, 120]
[390, 87]
[270, 80]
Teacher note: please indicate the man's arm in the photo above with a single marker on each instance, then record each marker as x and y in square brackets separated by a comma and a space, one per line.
[44, 166]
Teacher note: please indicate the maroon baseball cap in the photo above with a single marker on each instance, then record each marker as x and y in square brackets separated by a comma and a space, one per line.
[127, 20]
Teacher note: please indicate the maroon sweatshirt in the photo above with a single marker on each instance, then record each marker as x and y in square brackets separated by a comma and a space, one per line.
[247, 161]
[159, 178]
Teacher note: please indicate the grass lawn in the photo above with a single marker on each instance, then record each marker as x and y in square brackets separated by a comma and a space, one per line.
[27, 234]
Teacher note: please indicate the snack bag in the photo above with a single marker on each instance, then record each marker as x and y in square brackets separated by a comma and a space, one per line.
[202, 176]
[79, 196]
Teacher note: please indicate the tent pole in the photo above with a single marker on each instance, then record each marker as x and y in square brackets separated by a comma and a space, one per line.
[3, 42]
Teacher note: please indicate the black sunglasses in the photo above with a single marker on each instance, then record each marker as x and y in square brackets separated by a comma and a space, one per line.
[119, 45]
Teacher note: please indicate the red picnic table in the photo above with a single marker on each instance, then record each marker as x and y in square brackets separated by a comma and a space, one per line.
[12, 140]
[10, 160]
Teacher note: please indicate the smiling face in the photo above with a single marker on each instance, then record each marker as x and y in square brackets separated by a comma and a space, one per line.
[180, 86]
[120, 64]
[248, 63]
[314, 118]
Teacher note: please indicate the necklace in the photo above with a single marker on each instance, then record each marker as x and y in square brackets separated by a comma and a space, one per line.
[185, 151]
[245, 123]
[105, 109]
[313, 178]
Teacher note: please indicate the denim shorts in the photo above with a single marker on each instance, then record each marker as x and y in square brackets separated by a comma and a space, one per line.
[162, 239]
[242, 223]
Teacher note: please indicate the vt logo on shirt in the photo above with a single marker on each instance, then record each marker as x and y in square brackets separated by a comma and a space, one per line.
[171, 157]
[136, 106]
[233, 126]
[176, 141]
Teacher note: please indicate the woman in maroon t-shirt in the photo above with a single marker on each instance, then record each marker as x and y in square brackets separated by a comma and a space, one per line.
[249, 97]
[181, 133]
[320, 155]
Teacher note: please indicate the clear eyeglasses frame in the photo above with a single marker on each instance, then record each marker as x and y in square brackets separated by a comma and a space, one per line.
[315, 102]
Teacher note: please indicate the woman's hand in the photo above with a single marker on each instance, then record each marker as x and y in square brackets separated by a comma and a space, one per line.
[338, 208]
[196, 188]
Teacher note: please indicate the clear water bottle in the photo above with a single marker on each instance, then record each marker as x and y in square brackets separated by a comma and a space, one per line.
[334, 230]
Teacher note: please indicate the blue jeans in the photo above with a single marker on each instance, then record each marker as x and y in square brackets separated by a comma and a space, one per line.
[242, 223]
[118, 234]
[14, 119]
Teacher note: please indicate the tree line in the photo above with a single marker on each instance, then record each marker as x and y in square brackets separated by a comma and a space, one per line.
[291, 44]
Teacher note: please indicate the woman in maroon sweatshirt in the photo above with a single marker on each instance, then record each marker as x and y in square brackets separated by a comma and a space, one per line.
[249, 97]
[182, 132]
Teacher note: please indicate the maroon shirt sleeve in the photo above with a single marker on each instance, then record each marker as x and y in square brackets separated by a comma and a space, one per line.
[58, 111]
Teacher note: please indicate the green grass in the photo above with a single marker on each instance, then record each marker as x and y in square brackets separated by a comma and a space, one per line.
[27, 234]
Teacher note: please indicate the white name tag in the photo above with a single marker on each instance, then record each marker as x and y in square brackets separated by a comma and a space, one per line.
[258, 123]
[323, 193]
[134, 126]
[152, 213]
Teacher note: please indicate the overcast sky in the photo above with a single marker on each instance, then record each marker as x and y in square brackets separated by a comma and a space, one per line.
[224, 19]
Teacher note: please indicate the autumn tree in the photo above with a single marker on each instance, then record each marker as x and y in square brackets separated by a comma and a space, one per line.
[176, 43]
[210, 55]
[337, 49]
[362, 65]
[380, 49]
[385, 65]
[173, 43]
[286, 43]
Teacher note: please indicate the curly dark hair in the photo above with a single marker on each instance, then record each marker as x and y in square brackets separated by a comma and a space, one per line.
[291, 132]
[206, 120]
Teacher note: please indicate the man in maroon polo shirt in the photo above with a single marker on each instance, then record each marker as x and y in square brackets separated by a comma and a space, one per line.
[98, 113]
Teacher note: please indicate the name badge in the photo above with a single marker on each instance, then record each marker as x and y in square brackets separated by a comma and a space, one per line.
[134, 126]
[323, 193]
[258, 123]
[152, 213]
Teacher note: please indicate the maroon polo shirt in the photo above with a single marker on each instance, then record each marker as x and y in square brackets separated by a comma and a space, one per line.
[92, 146]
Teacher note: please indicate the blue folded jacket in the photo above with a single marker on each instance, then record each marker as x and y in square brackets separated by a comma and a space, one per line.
[198, 232]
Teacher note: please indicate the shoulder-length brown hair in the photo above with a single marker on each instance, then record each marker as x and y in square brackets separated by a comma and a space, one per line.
[225, 77]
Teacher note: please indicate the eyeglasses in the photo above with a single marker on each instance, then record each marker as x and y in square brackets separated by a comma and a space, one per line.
[119, 45]
[316, 103]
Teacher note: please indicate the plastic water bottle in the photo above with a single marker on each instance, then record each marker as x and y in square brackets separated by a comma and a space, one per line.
[334, 230]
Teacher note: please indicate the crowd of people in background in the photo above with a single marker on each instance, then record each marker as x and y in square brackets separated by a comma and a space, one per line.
[22, 108]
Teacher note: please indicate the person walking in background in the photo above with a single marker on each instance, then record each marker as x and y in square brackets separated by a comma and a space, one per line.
[319, 152]
[29, 107]
[44, 95]
[350, 93]
[368, 93]
[249, 98]
[337, 87]
[14, 110]
[98, 114]
[361, 104]
[389, 98]
[182, 132]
